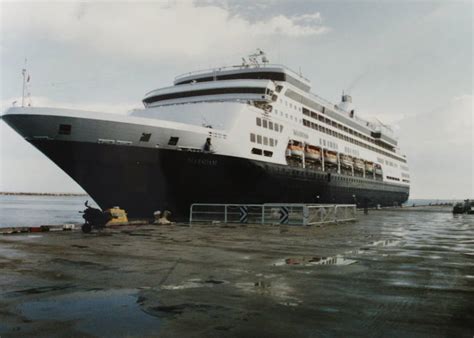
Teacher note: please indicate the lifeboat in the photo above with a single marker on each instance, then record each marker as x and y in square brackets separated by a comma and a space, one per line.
[358, 164]
[330, 158]
[378, 169]
[369, 167]
[312, 153]
[346, 161]
[295, 150]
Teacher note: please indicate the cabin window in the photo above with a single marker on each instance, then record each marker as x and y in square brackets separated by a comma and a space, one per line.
[259, 139]
[256, 151]
[278, 88]
[252, 138]
[268, 153]
[265, 124]
[270, 125]
[173, 141]
[65, 129]
[271, 142]
[276, 127]
[259, 121]
[145, 137]
[265, 141]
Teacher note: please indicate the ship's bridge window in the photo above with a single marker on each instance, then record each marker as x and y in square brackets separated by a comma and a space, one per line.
[145, 137]
[173, 141]
[274, 76]
[202, 92]
[65, 129]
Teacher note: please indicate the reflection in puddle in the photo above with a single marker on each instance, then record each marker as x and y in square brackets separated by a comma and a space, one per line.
[338, 259]
[102, 313]
[194, 283]
[277, 289]
[334, 260]
[386, 242]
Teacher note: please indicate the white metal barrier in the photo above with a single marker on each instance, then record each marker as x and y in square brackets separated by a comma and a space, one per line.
[330, 213]
[272, 213]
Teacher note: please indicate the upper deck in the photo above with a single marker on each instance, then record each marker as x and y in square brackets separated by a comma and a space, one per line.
[245, 82]
[258, 72]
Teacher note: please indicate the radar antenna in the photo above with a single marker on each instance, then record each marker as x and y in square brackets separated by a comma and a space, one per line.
[257, 57]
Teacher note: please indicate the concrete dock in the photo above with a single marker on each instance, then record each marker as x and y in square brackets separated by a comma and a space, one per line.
[391, 273]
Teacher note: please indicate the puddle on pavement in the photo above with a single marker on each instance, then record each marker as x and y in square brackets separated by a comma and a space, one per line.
[178, 309]
[112, 313]
[194, 283]
[39, 290]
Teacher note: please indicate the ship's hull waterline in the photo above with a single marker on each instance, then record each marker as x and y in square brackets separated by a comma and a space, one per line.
[143, 180]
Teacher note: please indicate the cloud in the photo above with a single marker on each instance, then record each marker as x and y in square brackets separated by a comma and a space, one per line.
[439, 146]
[152, 31]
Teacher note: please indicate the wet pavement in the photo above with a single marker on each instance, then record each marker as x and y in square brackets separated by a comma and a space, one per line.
[391, 273]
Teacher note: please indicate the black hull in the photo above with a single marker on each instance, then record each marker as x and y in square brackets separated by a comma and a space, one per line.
[142, 180]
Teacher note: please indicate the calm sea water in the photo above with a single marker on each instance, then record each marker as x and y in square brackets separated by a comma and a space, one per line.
[41, 210]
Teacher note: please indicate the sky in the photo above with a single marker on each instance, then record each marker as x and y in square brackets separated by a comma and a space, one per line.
[406, 63]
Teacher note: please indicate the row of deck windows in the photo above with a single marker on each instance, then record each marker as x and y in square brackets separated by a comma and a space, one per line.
[266, 141]
[331, 132]
[269, 125]
[339, 126]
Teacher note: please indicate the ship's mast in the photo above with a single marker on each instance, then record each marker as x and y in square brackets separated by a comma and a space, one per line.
[26, 80]
[23, 72]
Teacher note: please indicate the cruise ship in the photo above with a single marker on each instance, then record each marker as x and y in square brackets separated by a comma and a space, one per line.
[250, 133]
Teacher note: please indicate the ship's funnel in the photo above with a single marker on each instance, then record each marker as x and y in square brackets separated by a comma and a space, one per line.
[346, 104]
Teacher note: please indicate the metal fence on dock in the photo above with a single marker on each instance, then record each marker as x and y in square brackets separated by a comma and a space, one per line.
[272, 213]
